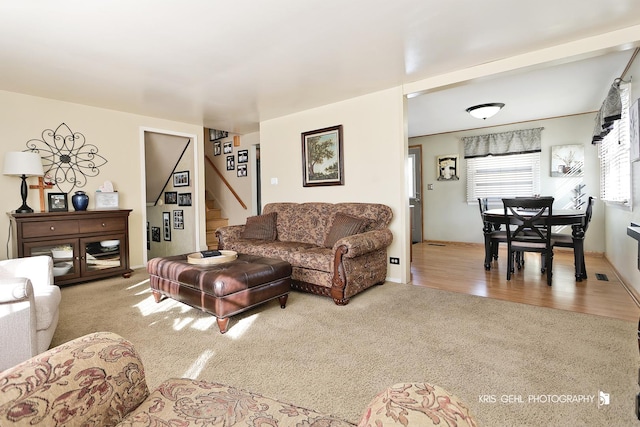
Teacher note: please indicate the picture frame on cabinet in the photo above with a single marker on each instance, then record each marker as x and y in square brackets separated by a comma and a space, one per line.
[57, 202]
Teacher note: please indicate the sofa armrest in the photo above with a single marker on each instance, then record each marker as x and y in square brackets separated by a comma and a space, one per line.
[18, 325]
[362, 243]
[15, 289]
[96, 379]
[229, 233]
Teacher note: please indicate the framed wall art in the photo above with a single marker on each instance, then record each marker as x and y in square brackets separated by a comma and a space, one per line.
[322, 158]
[447, 167]
[57, 202]
[242, 170]
[231, 163]
[170, 197]
[181, 179]
[243, 156]
[215, 134]
[155, 234]
[227, 147]
[178, 219]
[567, 160]
[217, 148]
[166, 226]
[184, 199]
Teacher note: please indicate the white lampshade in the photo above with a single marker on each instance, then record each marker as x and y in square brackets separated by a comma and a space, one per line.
[484, 111]
[22, 163]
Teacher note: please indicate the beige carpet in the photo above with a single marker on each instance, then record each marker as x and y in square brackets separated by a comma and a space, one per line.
[335, 359]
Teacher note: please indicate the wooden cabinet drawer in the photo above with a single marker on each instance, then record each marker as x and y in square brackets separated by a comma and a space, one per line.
[100, 225]
[48, 228]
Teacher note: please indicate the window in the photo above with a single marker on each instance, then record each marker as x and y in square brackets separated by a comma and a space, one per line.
[615, 159]
[503, 176]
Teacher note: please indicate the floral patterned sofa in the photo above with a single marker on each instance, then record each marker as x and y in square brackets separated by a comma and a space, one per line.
[99, 380]
[336, 250]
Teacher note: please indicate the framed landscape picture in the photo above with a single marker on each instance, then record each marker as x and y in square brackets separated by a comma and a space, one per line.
[322, 160]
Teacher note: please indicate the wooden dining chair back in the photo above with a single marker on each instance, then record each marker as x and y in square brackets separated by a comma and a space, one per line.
[496, 235]
[528, 222]
[566, 240]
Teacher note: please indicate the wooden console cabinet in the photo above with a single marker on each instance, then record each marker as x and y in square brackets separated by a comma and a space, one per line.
[84, 245]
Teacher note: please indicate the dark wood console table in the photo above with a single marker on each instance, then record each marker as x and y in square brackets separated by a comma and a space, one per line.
[84, 245]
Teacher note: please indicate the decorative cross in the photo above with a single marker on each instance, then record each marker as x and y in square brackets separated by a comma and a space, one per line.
[41, 187]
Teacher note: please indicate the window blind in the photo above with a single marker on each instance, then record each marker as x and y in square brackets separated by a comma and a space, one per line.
[615, 159]
[496, 177]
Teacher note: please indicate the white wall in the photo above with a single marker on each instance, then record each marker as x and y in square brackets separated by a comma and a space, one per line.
[448, 216]
[117, 136]
[621, 250]
[374, 158]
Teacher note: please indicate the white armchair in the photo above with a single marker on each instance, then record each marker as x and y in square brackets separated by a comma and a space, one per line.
[28, 308]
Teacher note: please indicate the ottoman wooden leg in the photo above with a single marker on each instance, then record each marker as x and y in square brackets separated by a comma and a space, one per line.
[223, 324]
[157, 296]
[283, 300]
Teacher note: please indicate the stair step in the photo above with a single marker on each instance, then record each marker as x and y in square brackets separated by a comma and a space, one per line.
[214, 223]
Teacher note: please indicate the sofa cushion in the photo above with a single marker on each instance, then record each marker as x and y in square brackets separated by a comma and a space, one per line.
[343, 225]
[47, 300]
[261, 227]
[416, 404]
[184, 402]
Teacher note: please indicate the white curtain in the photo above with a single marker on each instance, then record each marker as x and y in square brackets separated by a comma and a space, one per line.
[504, 143]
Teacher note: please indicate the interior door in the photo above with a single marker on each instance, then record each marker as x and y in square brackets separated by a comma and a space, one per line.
[415, 192]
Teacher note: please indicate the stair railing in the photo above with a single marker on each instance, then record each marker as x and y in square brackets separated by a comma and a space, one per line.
[225, 182]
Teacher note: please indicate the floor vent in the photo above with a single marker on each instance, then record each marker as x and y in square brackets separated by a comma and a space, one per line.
[436, 244]
[601, 276]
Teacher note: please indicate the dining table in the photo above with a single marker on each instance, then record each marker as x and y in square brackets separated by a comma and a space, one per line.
[494, 219]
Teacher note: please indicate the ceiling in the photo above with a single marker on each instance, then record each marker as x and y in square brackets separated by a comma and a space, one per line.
[229, 65]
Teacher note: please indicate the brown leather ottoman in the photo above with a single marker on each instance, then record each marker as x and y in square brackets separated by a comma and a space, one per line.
[221, 289]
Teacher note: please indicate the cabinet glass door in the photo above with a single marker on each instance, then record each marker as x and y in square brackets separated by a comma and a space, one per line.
[102, 253]
[63, 253]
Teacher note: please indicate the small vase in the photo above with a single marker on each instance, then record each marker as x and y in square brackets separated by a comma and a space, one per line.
[80, 201]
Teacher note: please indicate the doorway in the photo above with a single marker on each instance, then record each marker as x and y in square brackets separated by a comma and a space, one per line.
[415, 192]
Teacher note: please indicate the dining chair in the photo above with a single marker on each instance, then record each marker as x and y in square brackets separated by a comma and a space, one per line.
[497, 236]
[529, 230]
[566, 240]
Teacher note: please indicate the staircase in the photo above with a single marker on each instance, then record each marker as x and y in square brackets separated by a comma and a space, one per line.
[214, 221]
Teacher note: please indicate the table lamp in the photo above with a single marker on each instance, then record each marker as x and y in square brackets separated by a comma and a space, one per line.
[23, 164]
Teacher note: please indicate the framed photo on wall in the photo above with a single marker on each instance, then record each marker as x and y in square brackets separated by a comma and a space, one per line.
[217, 148]
[57, 202]
[231, 164]
[184, 199]
[155, 234]
[178, 219]
[242, 170]
[322, 159]
[170, 197]
[181, 179]
[447, 167]
[166, 226]
[243, 156]
[228, 147]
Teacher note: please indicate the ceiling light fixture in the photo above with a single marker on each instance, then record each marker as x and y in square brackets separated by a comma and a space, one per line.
[484, 111]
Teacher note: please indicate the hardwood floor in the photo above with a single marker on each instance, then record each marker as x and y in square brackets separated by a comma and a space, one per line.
[458, 267]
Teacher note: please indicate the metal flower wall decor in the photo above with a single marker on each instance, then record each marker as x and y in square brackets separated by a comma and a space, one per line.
[67, 158]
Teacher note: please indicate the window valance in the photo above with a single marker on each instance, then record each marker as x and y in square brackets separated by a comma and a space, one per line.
[501, 144]
[610, 111]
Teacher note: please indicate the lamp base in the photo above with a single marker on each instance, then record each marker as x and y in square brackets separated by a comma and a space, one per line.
[24, 209]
